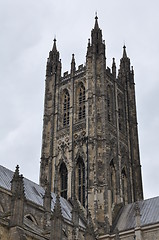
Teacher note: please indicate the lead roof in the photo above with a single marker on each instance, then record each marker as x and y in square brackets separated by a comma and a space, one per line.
[35, 193]
[149, 208]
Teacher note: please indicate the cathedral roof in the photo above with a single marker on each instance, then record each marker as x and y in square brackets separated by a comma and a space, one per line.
[35, 193]
[149, 214]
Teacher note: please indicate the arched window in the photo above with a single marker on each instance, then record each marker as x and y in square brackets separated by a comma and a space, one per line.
[80, 178]
[63, 180]
[81, 102]
[124, 185]
[66, 109]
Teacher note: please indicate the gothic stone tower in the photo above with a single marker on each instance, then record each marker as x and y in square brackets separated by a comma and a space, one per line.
[90, 148]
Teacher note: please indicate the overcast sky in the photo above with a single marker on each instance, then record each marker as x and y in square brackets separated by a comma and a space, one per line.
[27, 29]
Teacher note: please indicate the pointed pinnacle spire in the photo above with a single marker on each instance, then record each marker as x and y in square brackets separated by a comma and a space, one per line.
[124, 52]
[73, 64]
[114, 68]
[54, 45]
[17, 184]
[16, 173]
[113, 64]
[73, 58]
[96, 26]
[57, 209]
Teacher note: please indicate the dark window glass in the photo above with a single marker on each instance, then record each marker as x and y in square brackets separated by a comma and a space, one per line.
[66, 108]
[81, 103]
[63, 180]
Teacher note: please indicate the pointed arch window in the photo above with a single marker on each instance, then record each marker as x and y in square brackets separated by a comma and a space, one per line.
[81, 102]
[66, 108]
[80, 178]
[113, 181]
[124, 186]
[63, 180]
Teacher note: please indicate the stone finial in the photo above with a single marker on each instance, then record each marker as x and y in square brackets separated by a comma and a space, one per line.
[73, 64]
[124, 52]
[96, 26]
[54, 46]
[114, 68]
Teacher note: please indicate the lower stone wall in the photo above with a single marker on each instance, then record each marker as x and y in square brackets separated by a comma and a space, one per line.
[151, 234]
[4, 233]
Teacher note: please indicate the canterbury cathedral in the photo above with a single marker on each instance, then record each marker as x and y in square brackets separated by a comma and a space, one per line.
[90, 184]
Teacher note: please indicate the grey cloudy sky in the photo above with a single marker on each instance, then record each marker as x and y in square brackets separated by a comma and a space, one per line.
[27, 29]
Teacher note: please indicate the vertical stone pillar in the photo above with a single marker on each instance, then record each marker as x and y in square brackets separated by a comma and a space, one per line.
[56, 221]
[75, 220]
[89, 233]
[47, 206]
[138, 234]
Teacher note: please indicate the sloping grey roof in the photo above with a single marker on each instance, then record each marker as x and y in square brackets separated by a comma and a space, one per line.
[149, 211]
[35, 193]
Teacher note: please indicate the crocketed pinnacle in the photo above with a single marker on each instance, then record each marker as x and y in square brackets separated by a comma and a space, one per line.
[16, 173]
[57, 209]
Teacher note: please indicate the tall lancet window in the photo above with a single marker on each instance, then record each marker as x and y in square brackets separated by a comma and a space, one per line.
[80, 179]
[66, 109]
[63, 180]
[113, 181]
[81, 102]
[124, 186]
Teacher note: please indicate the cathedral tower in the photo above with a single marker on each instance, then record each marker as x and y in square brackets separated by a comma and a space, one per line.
[90, 148]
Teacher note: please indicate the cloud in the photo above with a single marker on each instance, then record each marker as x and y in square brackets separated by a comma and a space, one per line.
[27, 32]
